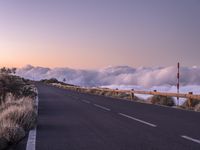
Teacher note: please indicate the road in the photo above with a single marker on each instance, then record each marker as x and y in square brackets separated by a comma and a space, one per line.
[75, 121]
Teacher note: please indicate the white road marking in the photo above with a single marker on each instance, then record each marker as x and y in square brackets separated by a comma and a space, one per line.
[102, 107]
[31, 140]
[85, 101]
[31, 143]
[141, 121]
[191, 139]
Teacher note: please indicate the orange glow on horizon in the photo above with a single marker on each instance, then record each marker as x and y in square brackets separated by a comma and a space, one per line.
[98, 34]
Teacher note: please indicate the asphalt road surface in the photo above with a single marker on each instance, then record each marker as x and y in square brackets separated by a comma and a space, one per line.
[70, 120]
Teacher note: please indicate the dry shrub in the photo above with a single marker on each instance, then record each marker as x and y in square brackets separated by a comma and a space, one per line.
[19, 87]
[162, 100]
[92, 91]
[84, 90]
[11, 131]
[52, 80]
[104, 93]
[16, 118]
[193, 103]
[109, 93]
[3, 143]
[197, 107]
[25, 116]
[17, 109]
[124, 95]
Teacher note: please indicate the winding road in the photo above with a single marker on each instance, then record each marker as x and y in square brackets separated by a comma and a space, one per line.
[69, 120]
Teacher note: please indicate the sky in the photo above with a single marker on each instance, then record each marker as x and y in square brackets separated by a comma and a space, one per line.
[91, 34]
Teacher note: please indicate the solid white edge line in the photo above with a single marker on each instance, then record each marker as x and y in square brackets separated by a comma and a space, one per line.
[31, 140]
[191, 139]
[31, 143]
[102, 107]
[141, 121]
[85, 101]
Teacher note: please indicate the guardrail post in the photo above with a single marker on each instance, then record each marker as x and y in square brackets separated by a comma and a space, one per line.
[190, 100]
[116, 91]
[132, 94]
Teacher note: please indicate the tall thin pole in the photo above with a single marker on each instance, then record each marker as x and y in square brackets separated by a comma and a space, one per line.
[178, 80]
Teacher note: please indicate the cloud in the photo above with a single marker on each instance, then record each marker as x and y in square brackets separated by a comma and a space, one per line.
[122, 77]
[145, 77]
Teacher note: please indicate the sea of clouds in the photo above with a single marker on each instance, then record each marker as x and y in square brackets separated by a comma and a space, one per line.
[121, 77]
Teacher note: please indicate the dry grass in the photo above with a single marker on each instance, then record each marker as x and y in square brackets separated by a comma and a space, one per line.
[162, 100]
[159, 100]
[22, 112]
[99, 91]
[17, 110]
[197, 107]
[191, 105]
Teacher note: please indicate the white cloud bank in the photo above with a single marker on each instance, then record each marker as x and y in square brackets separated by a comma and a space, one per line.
[122, 77]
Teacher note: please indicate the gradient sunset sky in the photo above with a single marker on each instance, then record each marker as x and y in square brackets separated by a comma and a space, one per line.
[98, 33]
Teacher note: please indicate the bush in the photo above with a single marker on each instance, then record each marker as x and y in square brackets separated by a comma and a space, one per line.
[162, 100]
[52, 80]
[11, 131]
[16, 118]
[17, 109]
[23, 115]
[197, 107]
[193, 103]
[15, 85]
[124, 95]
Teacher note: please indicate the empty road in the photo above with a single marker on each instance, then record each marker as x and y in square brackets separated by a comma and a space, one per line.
[75, 121]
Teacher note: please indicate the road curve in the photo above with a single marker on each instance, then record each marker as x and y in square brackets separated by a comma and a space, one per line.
[75, 121]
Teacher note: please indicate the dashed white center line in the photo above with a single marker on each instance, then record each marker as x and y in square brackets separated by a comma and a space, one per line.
[190, 139]
[102, 107]
[141, 121]
[85, 101]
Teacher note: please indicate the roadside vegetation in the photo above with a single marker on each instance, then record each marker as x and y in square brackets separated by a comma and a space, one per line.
[157, 100]
[161, 100]
[96, 91]
[191, 105]
[55, 81]
[17, 108]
